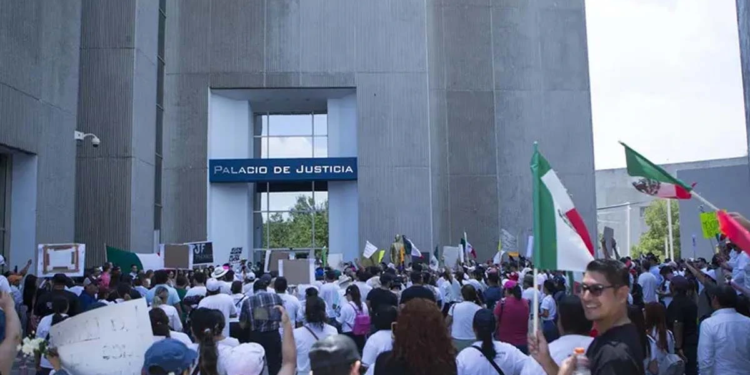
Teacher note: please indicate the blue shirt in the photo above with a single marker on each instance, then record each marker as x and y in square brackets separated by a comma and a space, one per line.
[172, 299]
[86, 301]
[492, 295]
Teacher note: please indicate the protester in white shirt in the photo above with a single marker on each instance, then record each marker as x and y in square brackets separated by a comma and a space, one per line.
[460, 318]
[160, 328]
[160, 297]
[362, 278]
[291, 303]
[575, 330]
[477, 359]
[648, 283]
[207, 326]
[60, 308]
[329, 292]
[382, 340]
[528, 289]
[199, 288]
[724, 342]
[548, 312]
[219, 301]
[353, 306]
[313, 330]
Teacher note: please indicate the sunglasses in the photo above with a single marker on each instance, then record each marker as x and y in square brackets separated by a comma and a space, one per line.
[596, 289]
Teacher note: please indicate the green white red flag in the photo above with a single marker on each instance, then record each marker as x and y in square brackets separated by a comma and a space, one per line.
[561, 240]
[653, 180]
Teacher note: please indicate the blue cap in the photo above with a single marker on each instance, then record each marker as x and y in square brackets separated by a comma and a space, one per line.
[170, 355]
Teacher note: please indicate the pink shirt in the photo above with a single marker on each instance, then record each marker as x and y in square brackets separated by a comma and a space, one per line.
[513, 323]
[105, 279]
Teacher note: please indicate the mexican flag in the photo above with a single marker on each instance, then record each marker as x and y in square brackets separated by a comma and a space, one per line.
[124, 259]
[468, 249]
[653, 180]
[561, 240]
[411, 248]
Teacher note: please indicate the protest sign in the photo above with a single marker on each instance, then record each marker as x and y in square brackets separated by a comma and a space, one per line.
[203, 252]
[530, 247]
[273, 259]
[68, 259]
[177, 256]
[709, 224]
[234, 256]
[297, 271]
[451, 255]
[110, 340]
[336, 261]
[509, 243]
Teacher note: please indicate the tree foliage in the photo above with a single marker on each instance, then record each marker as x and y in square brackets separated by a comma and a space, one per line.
[295, 228]
[653, 240]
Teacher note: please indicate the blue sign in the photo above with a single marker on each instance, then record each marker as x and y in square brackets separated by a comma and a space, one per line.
[274, 170]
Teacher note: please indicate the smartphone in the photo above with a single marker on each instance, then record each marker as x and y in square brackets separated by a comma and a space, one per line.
[267, 313]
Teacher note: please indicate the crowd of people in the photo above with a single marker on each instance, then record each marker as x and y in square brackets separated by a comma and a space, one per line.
[627, 316]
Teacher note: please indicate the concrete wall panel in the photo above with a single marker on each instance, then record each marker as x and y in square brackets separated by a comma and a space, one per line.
[471, 132]
[468, 47]
[283, 36]
[376, 50]
[237, 35]
[328, 46]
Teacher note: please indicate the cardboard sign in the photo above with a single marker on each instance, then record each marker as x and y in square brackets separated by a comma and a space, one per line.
[710, 224]
[110, 340]
[234, 256]
[177, 256]
[68, 259]
[297, 271]
[203, 252]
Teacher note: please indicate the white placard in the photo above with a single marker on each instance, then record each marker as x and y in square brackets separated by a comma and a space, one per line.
[68, 259]
[110, 340]
[530, 247]
[508, 241]
[336, 261]
[451, 255]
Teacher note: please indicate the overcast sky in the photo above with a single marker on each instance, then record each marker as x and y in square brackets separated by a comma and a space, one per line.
[665, 78]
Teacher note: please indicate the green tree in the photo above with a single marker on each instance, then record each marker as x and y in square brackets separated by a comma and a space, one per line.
[653, 240]
[295, 228]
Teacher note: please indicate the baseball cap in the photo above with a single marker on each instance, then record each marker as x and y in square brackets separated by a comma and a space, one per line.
[333, 351]
[679, 282]
[484, 318]
[213, 285]
[510, 284]
[244, 359]
[250, 276]
[169, 355]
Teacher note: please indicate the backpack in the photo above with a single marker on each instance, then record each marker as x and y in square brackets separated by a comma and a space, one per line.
[361, 322]
[670, 364]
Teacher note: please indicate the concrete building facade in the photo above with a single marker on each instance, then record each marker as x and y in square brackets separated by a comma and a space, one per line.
[445, 99]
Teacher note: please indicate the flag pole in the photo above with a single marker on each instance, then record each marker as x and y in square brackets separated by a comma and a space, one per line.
[535, 303]
[669, 228]
[707, 203]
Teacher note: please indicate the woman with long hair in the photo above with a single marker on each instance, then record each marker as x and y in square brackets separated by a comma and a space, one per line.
[350, 314]
[548, 312]
[660, 338]
[207, 326]
[421, 344]
[160, 327]
[316, 328]
[635, 314]
[479, 357]
[461, 315]
[512, 315]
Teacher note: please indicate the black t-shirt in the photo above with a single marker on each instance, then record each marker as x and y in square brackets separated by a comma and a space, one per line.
[44, 303]
[618, 351]
[417, 291]
[380, 296]
[684, 310]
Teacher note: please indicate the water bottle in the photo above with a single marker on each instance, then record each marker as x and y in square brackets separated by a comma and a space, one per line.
[582, 363]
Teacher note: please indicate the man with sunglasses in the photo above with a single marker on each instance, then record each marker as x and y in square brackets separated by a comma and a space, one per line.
[604, 295]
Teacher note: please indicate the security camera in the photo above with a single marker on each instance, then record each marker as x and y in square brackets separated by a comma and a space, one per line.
[81, 136]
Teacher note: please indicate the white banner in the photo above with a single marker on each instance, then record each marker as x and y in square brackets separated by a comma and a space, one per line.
[530, 247]
[508, 242]
[110, 340]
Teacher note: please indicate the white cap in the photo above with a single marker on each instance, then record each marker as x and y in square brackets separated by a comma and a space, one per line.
[213, 285]
[244, 359]
[250, 276]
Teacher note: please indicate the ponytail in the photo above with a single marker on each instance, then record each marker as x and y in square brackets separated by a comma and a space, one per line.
[488, 346]
[516, 291]
[159, 322]
[208, 354]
